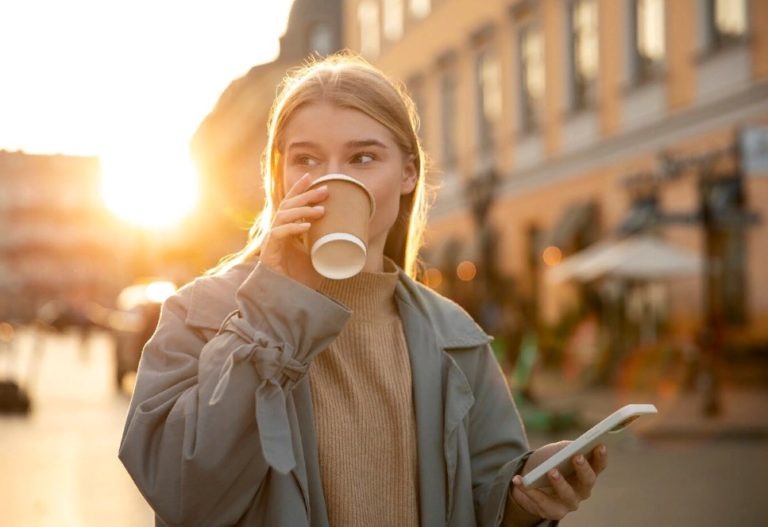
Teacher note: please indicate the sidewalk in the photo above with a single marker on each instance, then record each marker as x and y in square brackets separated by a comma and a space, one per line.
[743, 415]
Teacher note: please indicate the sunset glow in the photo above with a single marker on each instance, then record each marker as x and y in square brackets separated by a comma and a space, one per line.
[153, 191]
[128, 82]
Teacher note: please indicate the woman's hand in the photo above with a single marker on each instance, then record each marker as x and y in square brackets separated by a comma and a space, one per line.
[563, 495]
[282, 250]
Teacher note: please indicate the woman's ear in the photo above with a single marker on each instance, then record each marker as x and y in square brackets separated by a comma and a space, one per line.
[410, 176]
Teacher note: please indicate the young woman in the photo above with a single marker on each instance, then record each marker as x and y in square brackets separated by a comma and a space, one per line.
[272, 396]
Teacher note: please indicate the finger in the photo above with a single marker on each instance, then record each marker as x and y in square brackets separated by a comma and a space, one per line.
[520, 495]
[289, 229]
[585, 477]
[564, 492]
[599, 459]
[542, 503]
[526, 502]
[308, 197]
[300, 186]
[300, 213]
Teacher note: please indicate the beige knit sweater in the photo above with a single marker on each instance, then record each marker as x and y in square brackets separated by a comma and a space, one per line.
[364, 418]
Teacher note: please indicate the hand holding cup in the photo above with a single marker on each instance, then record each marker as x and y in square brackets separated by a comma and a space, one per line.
[295, 214]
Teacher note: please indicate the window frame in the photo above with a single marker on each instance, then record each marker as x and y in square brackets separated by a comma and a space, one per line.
[642, 69]
[582, 96]
[530, 119]
[369, 31]
[448, 119]
[485, 126]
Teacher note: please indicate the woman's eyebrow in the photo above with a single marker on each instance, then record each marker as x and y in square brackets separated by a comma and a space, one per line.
[358, 143]
[363, 143]
[301, 144]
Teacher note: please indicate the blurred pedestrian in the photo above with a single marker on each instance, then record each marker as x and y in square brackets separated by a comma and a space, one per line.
[270, 395]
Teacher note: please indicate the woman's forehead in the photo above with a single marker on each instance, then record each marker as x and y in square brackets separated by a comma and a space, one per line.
[327, 122]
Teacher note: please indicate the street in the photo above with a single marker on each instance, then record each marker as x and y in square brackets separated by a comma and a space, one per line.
[705, 483]
[60, 467]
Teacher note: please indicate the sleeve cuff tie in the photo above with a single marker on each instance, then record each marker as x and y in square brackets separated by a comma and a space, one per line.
[276, 370]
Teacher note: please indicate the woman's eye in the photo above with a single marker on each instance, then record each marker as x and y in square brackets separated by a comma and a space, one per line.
[304, 160]
[363, 157]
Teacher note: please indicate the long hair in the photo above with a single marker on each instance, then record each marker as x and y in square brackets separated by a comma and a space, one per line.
[347, 81]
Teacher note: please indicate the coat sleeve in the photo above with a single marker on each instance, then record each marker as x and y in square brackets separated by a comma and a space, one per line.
[208, 419]
[497, 441]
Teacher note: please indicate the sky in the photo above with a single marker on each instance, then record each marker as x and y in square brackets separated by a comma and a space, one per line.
[117, 78]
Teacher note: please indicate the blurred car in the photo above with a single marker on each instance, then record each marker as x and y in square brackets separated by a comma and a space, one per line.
[134, 321]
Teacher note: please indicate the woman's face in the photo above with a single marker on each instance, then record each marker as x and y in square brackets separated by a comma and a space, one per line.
[324, 139]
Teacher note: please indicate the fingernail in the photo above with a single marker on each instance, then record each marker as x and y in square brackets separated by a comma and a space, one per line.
[602, 450]
[517, 480]
[323, 188]
[555, 474]
[320, 208]
[580, 460]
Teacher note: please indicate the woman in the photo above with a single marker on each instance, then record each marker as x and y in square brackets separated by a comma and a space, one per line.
[272, 396]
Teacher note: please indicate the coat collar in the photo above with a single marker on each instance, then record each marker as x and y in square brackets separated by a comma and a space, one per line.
[212, 298]
[454, 328]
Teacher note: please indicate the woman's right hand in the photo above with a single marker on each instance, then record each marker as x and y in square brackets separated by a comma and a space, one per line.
[281, 250]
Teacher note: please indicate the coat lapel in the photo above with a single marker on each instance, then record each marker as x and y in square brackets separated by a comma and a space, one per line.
[442, 396]
[426, 372]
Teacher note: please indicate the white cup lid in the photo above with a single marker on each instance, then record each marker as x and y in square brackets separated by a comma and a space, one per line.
[338, 255]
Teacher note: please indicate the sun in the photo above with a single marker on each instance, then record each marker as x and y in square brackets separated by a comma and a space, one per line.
[154, 190]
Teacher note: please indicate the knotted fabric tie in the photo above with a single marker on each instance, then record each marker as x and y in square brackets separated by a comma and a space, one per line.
[271, 361]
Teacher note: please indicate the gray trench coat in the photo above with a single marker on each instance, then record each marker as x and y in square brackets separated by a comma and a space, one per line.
[220, 429]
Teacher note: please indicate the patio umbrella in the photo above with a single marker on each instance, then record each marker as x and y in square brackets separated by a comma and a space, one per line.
[639, 257]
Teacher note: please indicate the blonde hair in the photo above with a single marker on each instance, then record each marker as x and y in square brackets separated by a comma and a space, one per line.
[348, 81]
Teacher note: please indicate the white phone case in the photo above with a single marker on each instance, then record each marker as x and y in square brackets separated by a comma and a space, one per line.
[585, 443]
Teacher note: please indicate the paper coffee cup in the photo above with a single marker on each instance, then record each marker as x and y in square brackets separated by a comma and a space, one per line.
[338, 242]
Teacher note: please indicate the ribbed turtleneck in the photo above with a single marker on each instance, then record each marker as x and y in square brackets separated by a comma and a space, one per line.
[370, 296]
[364, 418]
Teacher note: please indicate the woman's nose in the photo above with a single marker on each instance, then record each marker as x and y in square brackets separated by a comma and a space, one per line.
[333, 167]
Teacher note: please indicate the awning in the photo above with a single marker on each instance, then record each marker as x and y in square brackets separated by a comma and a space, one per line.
[640, 257]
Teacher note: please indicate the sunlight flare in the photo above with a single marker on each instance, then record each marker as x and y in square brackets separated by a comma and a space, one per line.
[153, 191]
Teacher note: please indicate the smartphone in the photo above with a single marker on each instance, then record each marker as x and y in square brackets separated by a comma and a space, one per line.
[585, 443]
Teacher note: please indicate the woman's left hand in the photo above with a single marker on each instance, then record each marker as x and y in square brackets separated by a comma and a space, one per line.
[563, 494]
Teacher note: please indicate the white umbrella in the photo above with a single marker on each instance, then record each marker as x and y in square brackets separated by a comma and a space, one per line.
[640, 257]
[576, 265]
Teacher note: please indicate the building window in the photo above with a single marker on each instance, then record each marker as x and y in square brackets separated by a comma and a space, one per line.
[532, 76]
[727, 20]
[488, 84]
[584, 53]
[368, 18]
[321, 39]
[416, 89]
[420, 8]
[448, 120]
[393, 19]
[649, 41]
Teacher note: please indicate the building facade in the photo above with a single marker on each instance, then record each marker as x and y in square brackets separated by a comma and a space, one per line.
[57, 240]
[553, 124]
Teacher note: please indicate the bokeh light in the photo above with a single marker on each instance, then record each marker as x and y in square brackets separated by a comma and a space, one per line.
[466, 271]
[552, 256]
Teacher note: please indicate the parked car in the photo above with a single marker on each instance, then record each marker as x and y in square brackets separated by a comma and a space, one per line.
[134, 322]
